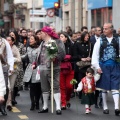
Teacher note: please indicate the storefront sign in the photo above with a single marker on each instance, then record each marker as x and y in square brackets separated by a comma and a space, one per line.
[65, 1]
[94, 4]
[49, 3]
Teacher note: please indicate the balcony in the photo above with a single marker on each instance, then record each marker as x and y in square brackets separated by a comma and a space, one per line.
[21, 1]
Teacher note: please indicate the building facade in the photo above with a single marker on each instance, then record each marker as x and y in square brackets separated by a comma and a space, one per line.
[28, 14]
[74, 14]
[7, 11]
[1, 13]
[103, 11]
[116, 14]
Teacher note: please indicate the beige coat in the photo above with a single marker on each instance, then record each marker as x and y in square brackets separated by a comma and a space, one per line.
[17, 57]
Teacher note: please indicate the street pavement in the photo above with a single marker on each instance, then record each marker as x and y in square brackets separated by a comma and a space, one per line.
[77, 111]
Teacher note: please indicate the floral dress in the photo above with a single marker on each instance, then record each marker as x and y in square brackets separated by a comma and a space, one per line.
[19, 79]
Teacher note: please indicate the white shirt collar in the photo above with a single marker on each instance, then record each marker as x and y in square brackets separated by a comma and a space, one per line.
[96, 37]
[109, 39]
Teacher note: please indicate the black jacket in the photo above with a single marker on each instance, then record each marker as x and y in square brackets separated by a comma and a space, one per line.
[82, 50]
[93, 40]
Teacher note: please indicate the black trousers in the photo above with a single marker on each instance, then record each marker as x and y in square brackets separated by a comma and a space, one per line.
[35, 92]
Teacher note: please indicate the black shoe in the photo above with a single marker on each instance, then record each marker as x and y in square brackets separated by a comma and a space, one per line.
[9, 107]
[63, 108]
[14, 102]
[68, 105]
[20, 88]
[18, 94]
[37, 106]
[32, 107]
[26, 88]
[58, 112]
[106, 111]
[43, 111]
[96, 106]
[117, 112]
[2, 110]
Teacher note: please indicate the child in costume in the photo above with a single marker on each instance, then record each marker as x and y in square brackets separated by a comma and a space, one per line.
[87, 85]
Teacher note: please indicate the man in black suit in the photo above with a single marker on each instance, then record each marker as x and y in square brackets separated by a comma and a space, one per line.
[95, 37]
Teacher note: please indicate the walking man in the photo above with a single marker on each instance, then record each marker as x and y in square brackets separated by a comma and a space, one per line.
[104, 59]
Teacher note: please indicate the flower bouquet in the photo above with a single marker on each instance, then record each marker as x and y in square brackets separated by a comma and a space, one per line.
[73, 81]
[52, 49]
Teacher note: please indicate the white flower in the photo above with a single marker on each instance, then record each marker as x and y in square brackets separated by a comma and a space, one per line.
[52, 41]
[52, 48]
[48, 45]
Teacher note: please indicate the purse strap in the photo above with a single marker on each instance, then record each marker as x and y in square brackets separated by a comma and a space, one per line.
[90, 50]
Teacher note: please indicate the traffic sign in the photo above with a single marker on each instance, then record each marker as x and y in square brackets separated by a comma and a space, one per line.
[38, 12]
[37, 19]
[50, 12]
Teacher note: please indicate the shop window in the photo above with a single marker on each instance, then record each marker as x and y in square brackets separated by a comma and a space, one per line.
[93, 17]
[110, 15]
[98, 17]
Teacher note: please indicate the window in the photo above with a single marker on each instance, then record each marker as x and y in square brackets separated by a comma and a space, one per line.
[98, 17]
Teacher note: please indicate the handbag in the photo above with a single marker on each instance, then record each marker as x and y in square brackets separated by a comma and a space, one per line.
[82, 64]
[66, 67]
[38, 74]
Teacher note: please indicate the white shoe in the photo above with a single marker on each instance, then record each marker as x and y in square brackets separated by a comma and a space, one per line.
[87, 111]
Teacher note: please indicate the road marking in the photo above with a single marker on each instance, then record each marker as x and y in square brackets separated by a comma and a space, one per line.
[23, 117]
[14, 109]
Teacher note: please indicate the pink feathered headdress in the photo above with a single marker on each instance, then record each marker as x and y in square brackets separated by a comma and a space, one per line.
[50, 32]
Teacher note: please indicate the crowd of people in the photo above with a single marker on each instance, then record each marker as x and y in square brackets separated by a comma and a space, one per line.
[23, 50]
